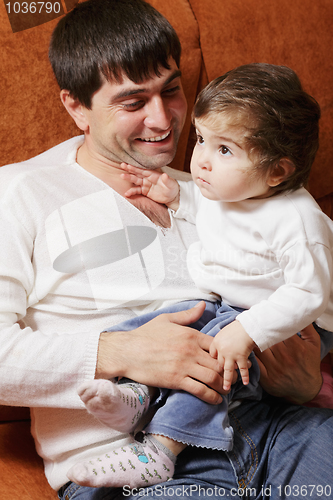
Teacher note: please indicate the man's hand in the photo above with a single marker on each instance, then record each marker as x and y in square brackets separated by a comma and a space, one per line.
[164, 353]
[232, 346]
[154, 184]
[291, 369]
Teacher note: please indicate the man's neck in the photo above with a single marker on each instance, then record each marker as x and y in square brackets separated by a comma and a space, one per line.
[110, 173]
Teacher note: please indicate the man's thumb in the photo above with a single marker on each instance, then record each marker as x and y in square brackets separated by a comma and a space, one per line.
[189, 316]
[309, 334]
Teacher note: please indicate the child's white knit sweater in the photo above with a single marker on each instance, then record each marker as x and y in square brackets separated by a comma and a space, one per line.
[272, 256]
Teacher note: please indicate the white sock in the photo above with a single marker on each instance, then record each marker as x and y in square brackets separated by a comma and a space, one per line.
[137, 464]
[119, 406]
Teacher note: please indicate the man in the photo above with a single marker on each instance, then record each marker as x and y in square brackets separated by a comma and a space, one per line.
[77, 257]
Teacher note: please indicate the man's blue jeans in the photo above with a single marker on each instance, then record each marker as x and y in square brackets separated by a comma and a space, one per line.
[280, 451]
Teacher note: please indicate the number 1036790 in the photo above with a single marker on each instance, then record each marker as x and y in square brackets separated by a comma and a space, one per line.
[33, 7]
[307, 491]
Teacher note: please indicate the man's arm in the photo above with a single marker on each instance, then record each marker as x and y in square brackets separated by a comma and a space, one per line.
[164, 353]
[291, 369]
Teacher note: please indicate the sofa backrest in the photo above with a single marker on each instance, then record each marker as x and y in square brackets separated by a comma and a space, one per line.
[295, 33]
[216, 36]
[33, 118]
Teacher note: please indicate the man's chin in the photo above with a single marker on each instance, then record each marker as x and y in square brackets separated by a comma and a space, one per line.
[152, 162]
[153, 155]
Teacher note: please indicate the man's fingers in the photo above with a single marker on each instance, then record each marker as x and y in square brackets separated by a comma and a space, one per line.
[270, 355]
[189, 316]
[310, 334]
[213, 351]
[201, 391]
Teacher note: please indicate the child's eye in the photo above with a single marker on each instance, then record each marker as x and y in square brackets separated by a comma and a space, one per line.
[200, 139]
[224, 150]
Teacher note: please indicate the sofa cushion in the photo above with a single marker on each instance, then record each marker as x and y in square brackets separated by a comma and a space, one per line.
[22, 471]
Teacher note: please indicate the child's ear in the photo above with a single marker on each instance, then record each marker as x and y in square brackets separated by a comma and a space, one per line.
[280, 172]
[75, 109]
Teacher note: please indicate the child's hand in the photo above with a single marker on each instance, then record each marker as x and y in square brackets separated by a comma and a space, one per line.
[232, 345]
[154, 184]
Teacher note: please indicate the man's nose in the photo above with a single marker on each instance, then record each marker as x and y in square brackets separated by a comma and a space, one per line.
[158, 114]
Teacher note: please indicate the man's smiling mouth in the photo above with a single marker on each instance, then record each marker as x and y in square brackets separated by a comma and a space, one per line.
[158, 138]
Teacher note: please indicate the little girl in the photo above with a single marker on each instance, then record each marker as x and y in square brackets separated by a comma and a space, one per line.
[264, 246]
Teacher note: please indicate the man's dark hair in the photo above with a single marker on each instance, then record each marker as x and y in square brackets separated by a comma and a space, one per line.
[110, 38]
[280, 120]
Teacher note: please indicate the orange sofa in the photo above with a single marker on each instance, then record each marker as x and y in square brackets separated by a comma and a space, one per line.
[216, 36]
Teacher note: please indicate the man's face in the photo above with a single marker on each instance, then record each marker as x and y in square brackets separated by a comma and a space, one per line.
[138, 124]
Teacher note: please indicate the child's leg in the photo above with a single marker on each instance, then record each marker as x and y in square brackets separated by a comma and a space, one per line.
[184, 419]
[118, 405]
[141, 463]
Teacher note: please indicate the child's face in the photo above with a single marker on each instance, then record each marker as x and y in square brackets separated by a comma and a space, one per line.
[221, 167]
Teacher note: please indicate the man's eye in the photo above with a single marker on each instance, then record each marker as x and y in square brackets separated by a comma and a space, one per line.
[172, 90]
[132, 106]
[224, 150]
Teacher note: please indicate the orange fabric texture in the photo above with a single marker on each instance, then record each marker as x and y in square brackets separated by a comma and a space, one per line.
[224, 35]
[33, 118]
[297, 34]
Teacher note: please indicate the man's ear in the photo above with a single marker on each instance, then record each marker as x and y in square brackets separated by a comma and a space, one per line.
[75, 109]
[280, 172]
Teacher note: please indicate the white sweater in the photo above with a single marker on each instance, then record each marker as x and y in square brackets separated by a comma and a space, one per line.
[76, 258]
[271, 256]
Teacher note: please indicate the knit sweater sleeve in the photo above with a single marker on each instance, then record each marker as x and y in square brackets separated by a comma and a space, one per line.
[34, 366]
[189, 201]
[36, 369]
[304, 297]
[301, 237]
